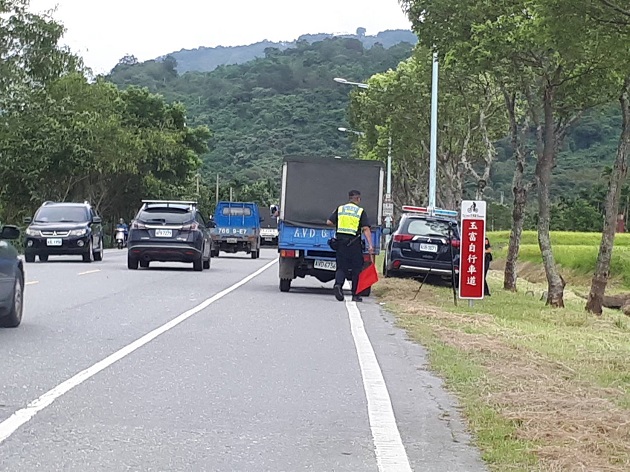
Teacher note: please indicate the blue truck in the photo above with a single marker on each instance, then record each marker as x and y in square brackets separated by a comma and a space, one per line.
[312, 188]
[237, 228]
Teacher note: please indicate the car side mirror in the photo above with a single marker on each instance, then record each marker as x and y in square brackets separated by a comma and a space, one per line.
[97, 220]
[27, 220]
[211, 224]
[10, 232]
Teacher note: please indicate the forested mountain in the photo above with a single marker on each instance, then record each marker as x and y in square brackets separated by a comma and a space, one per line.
[260, 111]
[206, 59]
[287, 103]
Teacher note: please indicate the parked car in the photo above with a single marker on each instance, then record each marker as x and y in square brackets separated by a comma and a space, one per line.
[62, 229]
[11, 280]
[169, 231]
[423, 244]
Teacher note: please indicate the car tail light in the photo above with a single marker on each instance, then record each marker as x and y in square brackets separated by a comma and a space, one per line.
[396, 264]
[401, 238]
[455, 242]
[191, 227]
[289, 253]
[138, 225]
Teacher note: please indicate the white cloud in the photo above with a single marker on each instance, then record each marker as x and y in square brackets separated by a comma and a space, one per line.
[104, 31]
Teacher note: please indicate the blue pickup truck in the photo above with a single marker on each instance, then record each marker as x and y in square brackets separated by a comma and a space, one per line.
[237, 228]
[312, 188]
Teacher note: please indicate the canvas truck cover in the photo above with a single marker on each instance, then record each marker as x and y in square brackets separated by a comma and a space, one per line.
[313, 187]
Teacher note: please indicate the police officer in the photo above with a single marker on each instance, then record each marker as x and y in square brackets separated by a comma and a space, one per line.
[351, 221]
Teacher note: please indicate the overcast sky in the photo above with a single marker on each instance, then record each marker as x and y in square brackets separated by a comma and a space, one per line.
[104, 31]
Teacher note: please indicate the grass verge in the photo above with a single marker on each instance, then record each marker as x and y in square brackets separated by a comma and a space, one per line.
[541, 389]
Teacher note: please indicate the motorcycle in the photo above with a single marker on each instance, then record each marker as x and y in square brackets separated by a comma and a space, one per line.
[120, 238]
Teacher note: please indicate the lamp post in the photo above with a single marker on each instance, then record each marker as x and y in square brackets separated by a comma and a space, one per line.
[433, 153]
[388, 191]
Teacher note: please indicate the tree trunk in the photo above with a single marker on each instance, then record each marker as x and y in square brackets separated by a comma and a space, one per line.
[544, 167]
[519, 189]
[617, 178]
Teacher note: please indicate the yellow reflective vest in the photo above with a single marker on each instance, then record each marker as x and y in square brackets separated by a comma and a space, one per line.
[349, 219]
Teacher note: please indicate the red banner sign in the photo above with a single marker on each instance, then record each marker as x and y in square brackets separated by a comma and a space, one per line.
[472, 249]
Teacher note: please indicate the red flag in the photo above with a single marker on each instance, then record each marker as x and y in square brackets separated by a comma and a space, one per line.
[367, 278]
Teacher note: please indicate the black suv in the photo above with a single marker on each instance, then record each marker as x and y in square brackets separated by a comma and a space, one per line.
[62, 229]
[169, 231]
[423, 244]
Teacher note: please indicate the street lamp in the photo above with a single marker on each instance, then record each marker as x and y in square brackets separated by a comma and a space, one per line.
[346, 130]
[346, 82]
[388, 219]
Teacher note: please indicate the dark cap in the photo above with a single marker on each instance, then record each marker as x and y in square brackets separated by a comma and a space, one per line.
[354, 193]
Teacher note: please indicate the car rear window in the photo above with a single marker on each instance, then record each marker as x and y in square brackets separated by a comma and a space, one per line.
[61, 214]
[236, 211]
[166, 215]
[420, 227]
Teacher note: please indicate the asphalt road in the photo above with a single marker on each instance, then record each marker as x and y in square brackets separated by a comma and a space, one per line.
[169, 369]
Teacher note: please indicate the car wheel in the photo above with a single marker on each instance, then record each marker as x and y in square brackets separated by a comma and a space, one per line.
[98, 256]
[29, 257]
[285, 285]
[89, 255]
[43, 257]
[14, 318]
[144, 264]
[215, 253]
[386, 273]
[198, 264]
[254, 254]
[132, 263]
[206, 264]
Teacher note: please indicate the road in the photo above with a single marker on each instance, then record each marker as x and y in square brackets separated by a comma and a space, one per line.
[170, 369]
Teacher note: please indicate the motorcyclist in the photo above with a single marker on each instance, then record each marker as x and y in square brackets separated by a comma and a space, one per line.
[122, 225]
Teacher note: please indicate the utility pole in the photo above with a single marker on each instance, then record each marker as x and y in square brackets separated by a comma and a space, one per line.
[389, 199]
[433, 155]
[197, 177]
[231, 193]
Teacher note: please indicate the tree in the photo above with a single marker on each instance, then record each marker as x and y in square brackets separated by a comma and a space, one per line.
[29, 54]
[560, 78]
[613, 21]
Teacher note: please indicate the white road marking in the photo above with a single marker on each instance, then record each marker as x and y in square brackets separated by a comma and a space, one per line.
[390, 451]
[20, 417]
[89, 272]
[32, 282]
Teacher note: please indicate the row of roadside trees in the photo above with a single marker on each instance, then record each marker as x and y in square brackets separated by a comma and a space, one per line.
[67, 136]
[529, 70]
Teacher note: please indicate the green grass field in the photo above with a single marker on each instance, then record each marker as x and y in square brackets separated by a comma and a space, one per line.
[574, 251]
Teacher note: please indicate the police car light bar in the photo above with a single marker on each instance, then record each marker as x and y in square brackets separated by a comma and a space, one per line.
[429, 211]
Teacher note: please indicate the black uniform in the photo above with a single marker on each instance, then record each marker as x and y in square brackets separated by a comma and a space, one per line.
[349, 252]
[488, 260]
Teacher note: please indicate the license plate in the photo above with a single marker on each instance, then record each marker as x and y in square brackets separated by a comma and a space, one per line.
[164, 233]
[268, 239]
[428, 247]
[54, 242]
[325, 265]
[232, 240]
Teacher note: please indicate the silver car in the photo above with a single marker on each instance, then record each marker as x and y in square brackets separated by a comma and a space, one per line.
[11, 279]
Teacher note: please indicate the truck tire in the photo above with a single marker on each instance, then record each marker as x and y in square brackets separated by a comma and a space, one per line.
[254, 254]
[198, 264]
[285, 285]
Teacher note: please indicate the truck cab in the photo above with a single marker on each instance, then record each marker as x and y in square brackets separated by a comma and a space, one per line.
[237, 228]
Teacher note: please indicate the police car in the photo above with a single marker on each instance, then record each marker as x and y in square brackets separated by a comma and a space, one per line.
[425, 242]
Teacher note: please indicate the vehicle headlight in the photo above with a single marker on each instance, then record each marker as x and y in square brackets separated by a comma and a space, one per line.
[78, 232]
[32, 232]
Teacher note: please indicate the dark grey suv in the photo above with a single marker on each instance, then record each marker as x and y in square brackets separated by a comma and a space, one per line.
[64, 229]
[169, 231]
